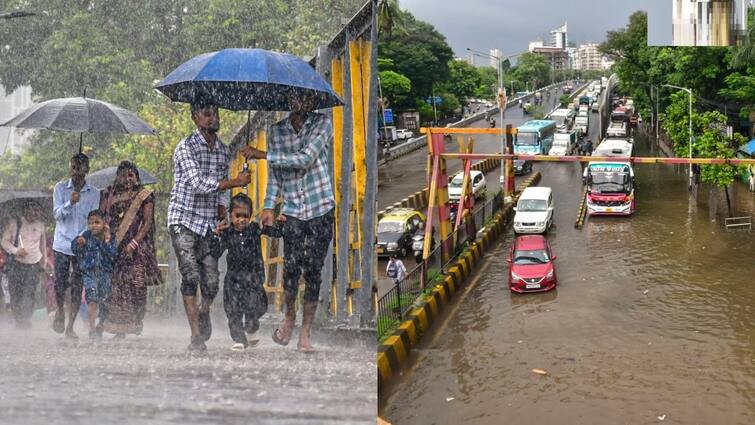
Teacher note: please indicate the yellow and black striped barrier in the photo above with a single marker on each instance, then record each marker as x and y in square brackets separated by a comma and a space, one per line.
[582, 211]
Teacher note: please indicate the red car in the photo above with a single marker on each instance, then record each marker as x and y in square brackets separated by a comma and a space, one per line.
[531, 265]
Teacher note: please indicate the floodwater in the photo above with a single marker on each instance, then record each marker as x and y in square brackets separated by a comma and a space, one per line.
[652, 322]
[151, 379]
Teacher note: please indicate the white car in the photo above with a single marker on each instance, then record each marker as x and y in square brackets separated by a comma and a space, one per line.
[534, 210]
[403, 134]
[477, 184]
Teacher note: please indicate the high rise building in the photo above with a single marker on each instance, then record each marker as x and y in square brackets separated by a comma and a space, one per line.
[535, 44]
[495, 53]
[709, 22]
[557, 58]
[559, 37]
[12, 104]
[588, 57]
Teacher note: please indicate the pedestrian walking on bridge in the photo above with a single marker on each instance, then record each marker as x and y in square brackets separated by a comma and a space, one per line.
[297, 158]
[198, 203]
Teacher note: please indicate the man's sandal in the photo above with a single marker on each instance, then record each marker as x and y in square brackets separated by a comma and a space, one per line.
[278, 339]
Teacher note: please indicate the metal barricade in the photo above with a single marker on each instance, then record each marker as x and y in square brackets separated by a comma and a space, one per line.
[738, 223]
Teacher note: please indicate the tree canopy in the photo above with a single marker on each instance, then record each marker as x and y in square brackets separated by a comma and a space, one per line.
[117, 50]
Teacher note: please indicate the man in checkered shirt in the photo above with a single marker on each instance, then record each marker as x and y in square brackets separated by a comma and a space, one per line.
[297, 158]
[198, 202]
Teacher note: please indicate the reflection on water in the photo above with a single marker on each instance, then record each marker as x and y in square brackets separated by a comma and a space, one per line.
[653, 316]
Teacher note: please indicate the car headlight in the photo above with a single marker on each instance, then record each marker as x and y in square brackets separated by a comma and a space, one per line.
[550, 274]
[515, 277]
[541, 223]
[392, 245]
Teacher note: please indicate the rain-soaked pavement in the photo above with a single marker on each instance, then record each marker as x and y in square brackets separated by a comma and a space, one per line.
[653, 322]
[151, 379]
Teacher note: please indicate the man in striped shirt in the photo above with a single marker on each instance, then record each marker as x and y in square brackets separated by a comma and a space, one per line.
[297, 159]
[198, 202]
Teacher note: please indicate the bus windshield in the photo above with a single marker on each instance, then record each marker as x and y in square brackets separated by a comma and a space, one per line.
[527, 139]
[613, 182]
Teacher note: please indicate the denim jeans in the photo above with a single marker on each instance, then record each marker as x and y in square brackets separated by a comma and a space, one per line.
[305, 245]
[197, 265]
[67, 275]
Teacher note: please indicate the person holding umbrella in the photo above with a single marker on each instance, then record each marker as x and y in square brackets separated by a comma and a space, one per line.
[198, 203]
[73, 199]
[297, 158]
[262, 80]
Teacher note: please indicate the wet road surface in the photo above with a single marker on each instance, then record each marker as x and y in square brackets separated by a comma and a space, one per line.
[402, 177]
[152, 380]
[653, 320]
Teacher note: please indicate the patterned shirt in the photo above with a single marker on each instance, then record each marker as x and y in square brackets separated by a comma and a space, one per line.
[95, 254]
[298, 167]
[197, 172]
[71, 220]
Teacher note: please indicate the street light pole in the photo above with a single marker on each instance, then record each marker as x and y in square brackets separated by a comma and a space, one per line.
[689, 92]
[501, 107]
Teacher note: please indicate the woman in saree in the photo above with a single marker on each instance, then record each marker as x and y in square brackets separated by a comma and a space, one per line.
[129, 209]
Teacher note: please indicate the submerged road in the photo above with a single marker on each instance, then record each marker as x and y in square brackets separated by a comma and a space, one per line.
[151, 379]
[653, 320]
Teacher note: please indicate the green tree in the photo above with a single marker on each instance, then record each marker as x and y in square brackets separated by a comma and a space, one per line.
[116, 50]
[449, 106]
[421, 54]
[464, 80]
[709, 140]
[634, 58]
[488, 83]
[389, 17]
[395, 87]
[533, 68]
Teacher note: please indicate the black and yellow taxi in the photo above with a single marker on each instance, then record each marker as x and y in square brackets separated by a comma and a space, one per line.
[395, 231]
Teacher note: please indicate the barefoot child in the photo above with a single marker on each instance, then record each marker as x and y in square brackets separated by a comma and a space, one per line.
[95, 250]
[244, 298]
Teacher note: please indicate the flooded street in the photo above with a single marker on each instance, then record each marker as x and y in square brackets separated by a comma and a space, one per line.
[653, 320]
[152, 380]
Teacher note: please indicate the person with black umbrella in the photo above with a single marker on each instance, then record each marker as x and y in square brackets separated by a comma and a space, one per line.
[73, 199]
[198, 203]
[298, 162]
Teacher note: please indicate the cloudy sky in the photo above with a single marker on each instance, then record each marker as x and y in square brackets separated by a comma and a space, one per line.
[510, 25]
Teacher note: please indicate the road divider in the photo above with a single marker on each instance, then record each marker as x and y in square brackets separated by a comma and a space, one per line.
[582, 210]
[393, 352]
[419, 200]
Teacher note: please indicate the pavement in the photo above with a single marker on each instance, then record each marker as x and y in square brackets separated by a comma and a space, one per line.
[152, 379]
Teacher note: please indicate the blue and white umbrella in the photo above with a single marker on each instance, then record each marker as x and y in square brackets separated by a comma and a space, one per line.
[248, 79]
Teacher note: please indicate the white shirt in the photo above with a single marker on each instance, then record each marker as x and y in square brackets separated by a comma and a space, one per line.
[400, 269]
[31, 238]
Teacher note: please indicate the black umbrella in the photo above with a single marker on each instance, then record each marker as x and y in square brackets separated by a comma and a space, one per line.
[7, 195]
[80, 115]
[101, 179]
[11, 202]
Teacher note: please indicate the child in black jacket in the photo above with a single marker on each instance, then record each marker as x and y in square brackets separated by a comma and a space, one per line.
[244, 297]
